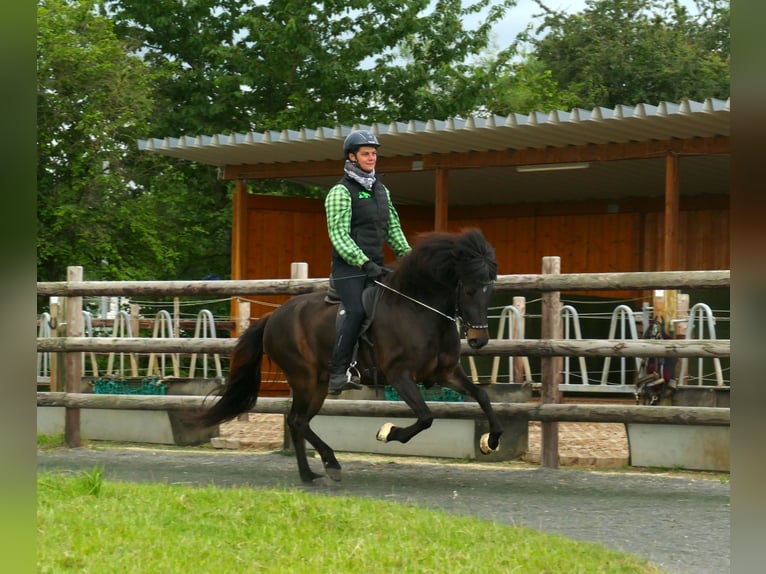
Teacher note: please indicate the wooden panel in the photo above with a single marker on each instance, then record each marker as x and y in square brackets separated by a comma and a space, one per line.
[587, 237]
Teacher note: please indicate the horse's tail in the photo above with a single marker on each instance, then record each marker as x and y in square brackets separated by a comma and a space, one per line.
[240, 391]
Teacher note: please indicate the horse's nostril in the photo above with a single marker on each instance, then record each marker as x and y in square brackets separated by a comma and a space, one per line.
[477, 343]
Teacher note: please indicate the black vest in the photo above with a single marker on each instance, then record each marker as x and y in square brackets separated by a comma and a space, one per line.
[369, 218]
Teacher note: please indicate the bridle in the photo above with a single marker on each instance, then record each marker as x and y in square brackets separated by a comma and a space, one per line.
[458, 310]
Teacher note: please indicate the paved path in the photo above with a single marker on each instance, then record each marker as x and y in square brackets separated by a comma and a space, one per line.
[681, 524]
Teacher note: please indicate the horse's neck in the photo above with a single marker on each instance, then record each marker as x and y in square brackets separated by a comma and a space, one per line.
[443, 301]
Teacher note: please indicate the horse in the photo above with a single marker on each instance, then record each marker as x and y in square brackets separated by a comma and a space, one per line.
[446, 279]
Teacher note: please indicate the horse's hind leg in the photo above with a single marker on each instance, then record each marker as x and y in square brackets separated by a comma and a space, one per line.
[305, 405]
[331, 464]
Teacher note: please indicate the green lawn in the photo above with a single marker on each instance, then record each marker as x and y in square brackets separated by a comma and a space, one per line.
[90, 525]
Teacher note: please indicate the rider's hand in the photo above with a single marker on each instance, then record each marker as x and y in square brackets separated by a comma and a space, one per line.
[373, 270]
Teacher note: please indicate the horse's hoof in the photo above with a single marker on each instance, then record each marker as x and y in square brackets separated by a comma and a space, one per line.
[310, 478]
[384, 431]
[333, 473]
[484, 444]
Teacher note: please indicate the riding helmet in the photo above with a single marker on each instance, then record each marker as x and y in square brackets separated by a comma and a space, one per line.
[357, 139]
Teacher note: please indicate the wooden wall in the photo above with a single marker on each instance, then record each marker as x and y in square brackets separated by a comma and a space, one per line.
[590, 237]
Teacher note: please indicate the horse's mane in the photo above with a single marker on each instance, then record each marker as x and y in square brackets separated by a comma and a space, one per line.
[439, 260]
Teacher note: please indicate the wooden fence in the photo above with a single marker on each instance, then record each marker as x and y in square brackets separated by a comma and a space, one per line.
[549, 347]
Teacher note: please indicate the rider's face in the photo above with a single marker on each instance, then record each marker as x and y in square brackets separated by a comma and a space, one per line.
[366, 157]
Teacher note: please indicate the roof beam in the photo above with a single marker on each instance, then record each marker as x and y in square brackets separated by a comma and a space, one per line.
[493, 158]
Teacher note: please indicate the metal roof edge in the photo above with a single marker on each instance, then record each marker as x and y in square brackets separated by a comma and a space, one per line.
[620, 112]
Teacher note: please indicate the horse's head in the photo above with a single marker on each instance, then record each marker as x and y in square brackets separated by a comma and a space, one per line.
[472, 305]
[454, 272]
[477, 271]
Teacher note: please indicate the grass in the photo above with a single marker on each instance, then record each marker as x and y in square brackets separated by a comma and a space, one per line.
[50, 442]
[90, 525]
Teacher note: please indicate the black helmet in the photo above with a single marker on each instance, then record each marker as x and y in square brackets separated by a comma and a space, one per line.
[357, 139]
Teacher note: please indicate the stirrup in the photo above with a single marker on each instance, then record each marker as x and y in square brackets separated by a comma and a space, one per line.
[353, 375]
[347, 381]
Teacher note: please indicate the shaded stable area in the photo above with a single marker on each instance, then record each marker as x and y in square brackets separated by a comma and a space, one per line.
[680, 523]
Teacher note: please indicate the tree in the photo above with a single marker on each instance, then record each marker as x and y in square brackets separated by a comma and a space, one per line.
[223, 66]
[120, 213]
[632, 51]
[237, 65]
[92, 99]
[523, 85]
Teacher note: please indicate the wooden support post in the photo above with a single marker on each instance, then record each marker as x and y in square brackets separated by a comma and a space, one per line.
[177, 316]
[243, 318]
[73, 361]
[241, 325]
[672, 217]
[135, 311]
[682, 315]
[299, 270]
[239, 240]
[550, 366]
[441, 203]
[519, 375]
[58, 329]
[658, 304]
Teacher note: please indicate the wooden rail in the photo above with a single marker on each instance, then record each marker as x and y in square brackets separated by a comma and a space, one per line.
[528, 347]
[504, 283]
[706, 416]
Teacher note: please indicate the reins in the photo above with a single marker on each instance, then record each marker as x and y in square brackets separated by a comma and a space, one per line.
[415, 301]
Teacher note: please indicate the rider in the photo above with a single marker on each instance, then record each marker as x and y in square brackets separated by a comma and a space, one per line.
[360, 220]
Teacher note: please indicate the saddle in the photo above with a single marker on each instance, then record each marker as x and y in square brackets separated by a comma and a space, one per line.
[370, 297]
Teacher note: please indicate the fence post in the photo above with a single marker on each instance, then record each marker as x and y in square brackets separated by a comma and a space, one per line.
[73, 361]
[135, 312]
[58, 326]
[518, 362]
[550, 367]
[243, 316]
[299, 270]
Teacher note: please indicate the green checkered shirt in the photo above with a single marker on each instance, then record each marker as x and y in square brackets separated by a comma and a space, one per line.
[337, 206]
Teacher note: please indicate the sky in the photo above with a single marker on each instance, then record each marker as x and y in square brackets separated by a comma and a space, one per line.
[522, 14]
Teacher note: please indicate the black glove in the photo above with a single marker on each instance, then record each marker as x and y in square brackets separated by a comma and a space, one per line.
[372, 269]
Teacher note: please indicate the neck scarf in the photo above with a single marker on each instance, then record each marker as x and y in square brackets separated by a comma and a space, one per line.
[363, 178]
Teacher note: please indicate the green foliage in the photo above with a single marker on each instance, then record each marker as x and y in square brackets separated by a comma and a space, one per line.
[632, 51]
[120, 213]
[234, 65]
[524, 85]
[92, 99]
[173, 528]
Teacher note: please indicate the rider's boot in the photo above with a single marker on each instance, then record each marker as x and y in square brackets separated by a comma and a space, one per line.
[343, 379]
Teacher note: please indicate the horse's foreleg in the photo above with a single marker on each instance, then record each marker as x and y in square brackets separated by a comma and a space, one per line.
[459, 381]
[410, 394]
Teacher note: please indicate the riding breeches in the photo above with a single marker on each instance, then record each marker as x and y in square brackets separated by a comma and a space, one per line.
[349, 290]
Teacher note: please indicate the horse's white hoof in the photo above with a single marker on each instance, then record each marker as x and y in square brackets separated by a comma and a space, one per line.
[484, 444]
[384, 431]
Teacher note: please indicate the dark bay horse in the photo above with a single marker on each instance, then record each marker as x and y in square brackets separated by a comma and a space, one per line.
[446, 278]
